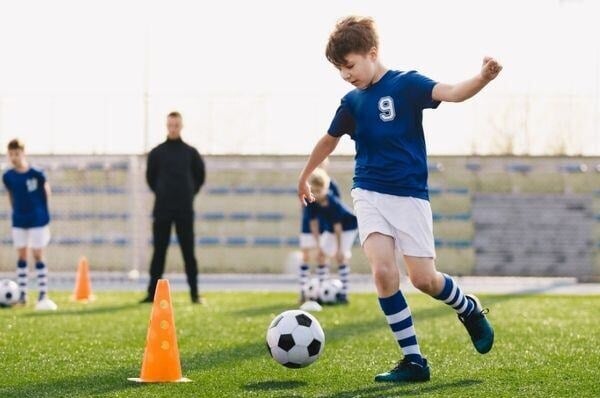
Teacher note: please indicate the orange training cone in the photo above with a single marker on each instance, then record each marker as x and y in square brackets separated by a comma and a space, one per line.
[83, 283]
[161, 358]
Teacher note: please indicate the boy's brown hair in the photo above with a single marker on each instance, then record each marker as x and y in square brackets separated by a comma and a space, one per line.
[351, 35]
[319, 179]
[15, 144]
[174, 114]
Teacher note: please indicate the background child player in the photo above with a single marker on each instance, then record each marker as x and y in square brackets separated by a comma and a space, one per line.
[310, 241]
[383, 115]
[339, 236]
[28, 192]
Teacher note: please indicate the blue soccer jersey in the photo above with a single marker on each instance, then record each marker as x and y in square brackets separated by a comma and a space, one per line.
[30, 205]
[305, 227]
[385, 122]
[335, 211]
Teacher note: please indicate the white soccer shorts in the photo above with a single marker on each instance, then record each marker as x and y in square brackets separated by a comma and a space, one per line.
[406, 219]
[34, 238]
[329, 243]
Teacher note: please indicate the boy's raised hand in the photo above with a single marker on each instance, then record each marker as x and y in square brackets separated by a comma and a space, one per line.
[304, 193]
[490, 69]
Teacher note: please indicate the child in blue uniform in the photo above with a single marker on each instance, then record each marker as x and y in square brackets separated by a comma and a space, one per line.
[310, 241]
[341, 227]
[28, 192]
[383, 115]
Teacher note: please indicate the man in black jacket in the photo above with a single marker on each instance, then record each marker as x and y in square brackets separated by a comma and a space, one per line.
[175, 173]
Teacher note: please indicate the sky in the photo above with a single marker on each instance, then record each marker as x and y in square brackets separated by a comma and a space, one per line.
[250, 77]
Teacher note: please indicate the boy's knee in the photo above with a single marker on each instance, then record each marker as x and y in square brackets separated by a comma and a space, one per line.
[425, 283]
[385, 274]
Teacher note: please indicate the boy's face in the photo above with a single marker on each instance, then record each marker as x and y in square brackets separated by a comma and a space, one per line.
[318, 192]
[174, 126]
[16, 157]
[359, 69]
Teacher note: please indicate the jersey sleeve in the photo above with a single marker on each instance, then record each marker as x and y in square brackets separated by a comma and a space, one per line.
[312, 210]
[5, 181]
[420, 89]
[343, 122]
[334, 189]
[41, 176]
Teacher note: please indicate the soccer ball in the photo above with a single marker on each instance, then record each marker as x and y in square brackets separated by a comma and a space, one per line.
[328, 291]
[9, 293]
[311, 290]
[295, 339]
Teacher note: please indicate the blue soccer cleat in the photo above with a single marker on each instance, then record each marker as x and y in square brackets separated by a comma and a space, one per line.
[406, 372]
[479, 328]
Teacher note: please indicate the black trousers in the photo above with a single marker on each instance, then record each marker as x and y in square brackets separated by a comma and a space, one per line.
[161, 231]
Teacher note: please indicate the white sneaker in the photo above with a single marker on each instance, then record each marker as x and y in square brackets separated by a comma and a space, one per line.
[46, 305]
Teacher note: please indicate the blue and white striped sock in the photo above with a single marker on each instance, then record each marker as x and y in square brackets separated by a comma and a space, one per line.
[22, 279]
[452, 295]
[304, 273]
[322, 272]
[344, 272]
[399, 318]
[42, 279]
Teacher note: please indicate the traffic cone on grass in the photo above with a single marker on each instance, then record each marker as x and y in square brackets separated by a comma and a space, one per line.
[83, 283]
[161, 358]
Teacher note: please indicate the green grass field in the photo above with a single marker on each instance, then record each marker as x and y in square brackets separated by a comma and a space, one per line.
[546, 346]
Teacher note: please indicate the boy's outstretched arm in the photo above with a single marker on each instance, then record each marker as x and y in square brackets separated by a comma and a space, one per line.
[324, 147]
[465, 90]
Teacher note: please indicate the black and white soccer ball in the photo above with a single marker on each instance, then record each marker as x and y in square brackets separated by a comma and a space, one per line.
[9, 293]
[329, 290]
[311, 289]
[295, 339]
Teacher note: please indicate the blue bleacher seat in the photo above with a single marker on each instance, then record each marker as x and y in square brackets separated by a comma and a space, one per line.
[213, 216]
[573, 168]
[267, 241]
[271, 216]
[120, 241]
[240, 216]
[292, 241]
[458, 190]
[208, 241]
[218, 191]
[473, 166]
[519, 168]
[244, 190]
[236, 241]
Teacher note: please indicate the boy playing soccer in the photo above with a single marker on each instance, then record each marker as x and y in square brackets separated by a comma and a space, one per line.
[28, 192]
[341, 227]
[383, 115]
[310, 241]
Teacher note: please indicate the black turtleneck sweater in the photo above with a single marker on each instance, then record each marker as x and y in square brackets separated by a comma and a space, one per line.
[175, 173]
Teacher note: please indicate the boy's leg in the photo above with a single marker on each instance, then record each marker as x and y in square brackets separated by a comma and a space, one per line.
[426, 278]
[304, 272]
[323, 253]
[22, 274]
[348, 239]
[380, 251]
[42, 274]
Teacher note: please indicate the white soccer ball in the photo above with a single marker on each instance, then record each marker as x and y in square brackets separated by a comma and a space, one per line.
[295, 339]
[328, 291]
[9, 293]
[311, 290]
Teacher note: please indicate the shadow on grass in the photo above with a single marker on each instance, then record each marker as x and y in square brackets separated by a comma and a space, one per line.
[274, 385]
[385, 390]
[89, 309]
[80, 386]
